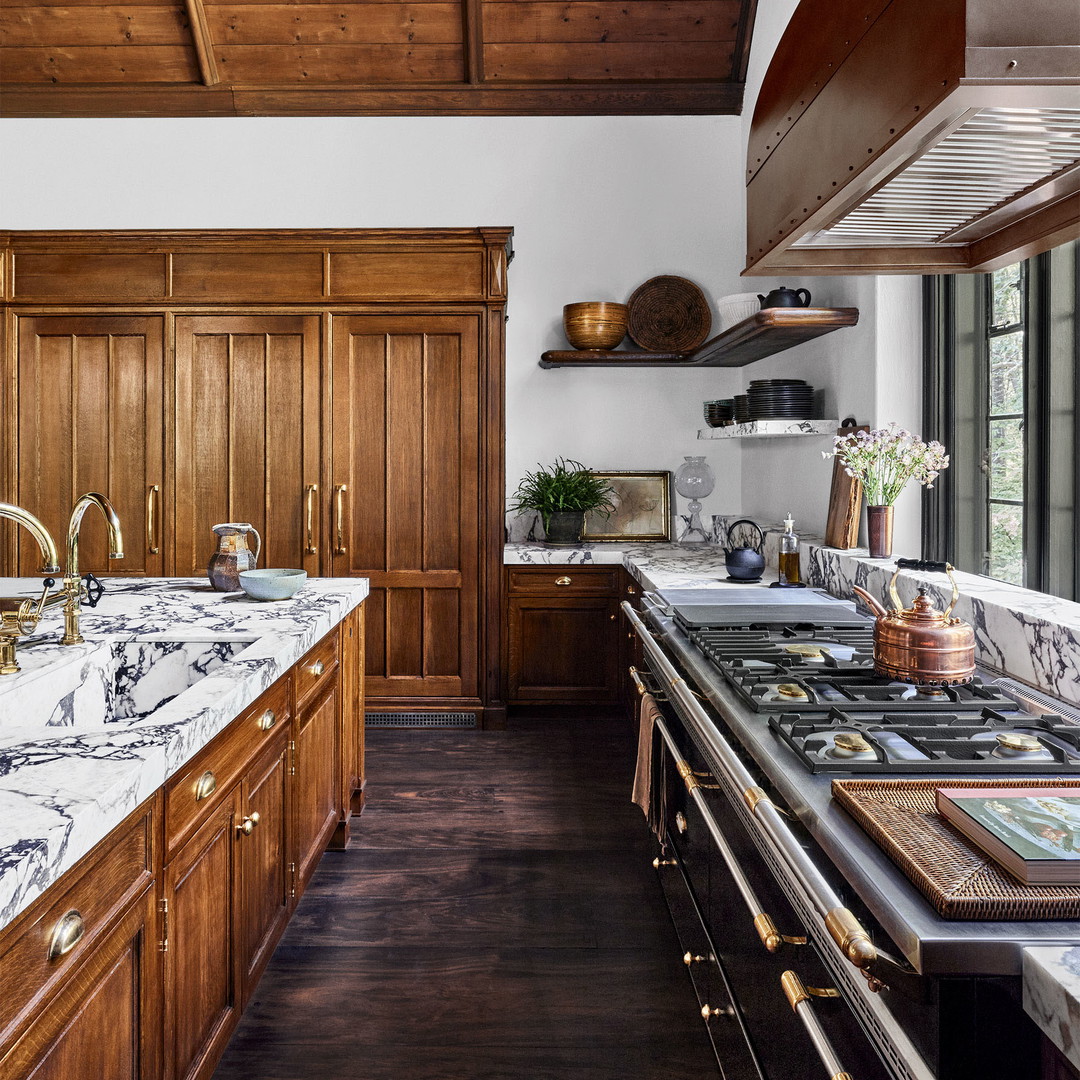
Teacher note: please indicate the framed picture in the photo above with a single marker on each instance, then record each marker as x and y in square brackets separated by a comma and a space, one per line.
[642, 508]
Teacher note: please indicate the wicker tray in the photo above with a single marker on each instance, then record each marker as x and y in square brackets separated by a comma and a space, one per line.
[668, 314]
[955, 876]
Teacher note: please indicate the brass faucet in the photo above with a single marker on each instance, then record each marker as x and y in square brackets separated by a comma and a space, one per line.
[73, 585]
[18, 615]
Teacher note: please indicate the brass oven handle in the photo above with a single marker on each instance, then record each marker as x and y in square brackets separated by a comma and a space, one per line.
[339, 516]
[642, 689]
[311, 492]
[766, 929]
[800, 998]
[850, 937]
[66, 934]
[153, 494]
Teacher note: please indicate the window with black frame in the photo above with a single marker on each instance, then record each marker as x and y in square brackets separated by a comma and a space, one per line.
[1002, 389]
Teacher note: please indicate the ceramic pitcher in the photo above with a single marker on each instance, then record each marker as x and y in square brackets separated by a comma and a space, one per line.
[233, 555]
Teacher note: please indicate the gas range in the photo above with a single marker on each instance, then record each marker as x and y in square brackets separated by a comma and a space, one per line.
[811, 671]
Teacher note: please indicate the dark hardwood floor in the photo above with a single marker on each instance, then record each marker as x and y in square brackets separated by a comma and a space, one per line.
[496, 917]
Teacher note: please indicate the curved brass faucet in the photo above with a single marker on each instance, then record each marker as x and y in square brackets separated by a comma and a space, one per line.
[49, 563]
[19, 616]
[73, 586]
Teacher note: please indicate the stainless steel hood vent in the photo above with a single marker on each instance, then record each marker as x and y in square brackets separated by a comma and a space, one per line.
[910, 147]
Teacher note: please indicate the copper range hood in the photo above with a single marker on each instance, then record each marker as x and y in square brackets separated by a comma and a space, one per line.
[916, 136]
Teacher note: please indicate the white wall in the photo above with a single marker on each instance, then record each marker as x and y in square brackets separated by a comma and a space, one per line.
[599, 204]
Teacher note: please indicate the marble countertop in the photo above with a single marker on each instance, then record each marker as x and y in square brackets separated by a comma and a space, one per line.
[1052, 995]
[63, 787]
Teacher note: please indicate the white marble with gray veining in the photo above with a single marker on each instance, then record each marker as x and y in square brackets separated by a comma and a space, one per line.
[87, 732]
[1052, 995]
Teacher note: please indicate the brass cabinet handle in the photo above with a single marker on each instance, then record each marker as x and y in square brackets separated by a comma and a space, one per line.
[267, 720]
[689, 958]
[658, 862]
[708, 1012]
[562, 580]
[205, 786]
[317, 668]
[153, 495]
[66, 934]
[800, 998]
[247, 826]
[309, 547]
[339, 515]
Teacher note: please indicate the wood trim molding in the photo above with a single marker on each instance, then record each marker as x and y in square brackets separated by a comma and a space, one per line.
[203, 42]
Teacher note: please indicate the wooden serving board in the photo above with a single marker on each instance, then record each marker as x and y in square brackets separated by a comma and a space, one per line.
[845, 497]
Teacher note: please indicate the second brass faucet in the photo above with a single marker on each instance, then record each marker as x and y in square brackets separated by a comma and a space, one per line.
[73, 585]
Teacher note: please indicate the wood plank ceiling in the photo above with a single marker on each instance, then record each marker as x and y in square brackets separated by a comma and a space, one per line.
[367, 57]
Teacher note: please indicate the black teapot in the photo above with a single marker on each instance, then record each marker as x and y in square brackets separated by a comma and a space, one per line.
[783, 297]
[742, 556]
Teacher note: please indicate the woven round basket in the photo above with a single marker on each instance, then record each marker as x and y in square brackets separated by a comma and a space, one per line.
[668, 314]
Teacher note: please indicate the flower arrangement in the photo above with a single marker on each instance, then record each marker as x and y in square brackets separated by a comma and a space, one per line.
[885, 459]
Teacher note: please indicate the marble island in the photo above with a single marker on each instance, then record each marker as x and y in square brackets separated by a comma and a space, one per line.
[87, 732]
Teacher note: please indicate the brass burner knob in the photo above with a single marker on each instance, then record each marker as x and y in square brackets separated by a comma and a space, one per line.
[1014, 740]
[792, 690]
[853, 742]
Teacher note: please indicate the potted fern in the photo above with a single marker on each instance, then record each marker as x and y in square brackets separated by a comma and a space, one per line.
[562, 494]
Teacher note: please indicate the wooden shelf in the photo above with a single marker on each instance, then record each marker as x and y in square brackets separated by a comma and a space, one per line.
[768, 331]
[772, 429]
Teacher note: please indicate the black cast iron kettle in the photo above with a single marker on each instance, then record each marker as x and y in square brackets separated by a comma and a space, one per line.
[742, 556]
[783, 297]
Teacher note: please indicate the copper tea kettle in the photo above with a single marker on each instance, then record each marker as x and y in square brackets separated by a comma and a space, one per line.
[921, 644]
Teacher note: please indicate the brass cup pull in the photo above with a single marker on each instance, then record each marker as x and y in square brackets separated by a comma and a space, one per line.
[205, 786]
[562, 580]
[267, 720]
[317, 668]
[66, 934]
[153, 495]
[708, 1012]
[309, 546]
[339, 518]
[247, 826]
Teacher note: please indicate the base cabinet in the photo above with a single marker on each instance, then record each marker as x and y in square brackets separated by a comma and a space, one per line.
[564, 634]
[180, 908]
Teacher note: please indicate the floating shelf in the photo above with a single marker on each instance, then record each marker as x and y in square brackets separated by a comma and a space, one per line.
[771, 429]
[768, 331]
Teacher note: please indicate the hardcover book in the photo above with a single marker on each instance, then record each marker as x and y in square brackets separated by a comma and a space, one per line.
[1035, 835]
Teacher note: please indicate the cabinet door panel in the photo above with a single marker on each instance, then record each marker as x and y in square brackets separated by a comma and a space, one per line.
[201, 977]
[406, 445]
[264, 899]
[315, 791]
[248, 434]
[91, 419]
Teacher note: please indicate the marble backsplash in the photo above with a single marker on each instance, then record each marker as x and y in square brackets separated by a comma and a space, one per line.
[1030, 636]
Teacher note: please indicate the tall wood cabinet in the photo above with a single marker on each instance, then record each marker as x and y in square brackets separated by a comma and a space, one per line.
[340, 390]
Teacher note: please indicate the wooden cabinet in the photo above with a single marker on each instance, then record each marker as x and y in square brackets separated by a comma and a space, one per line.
[82, 966]
[91, 418]
[564, 634]
[359, 428]
[249, 440]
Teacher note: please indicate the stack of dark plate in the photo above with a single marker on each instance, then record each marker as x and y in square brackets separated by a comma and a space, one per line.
[780, 399]
[719, 413]
[742, 409]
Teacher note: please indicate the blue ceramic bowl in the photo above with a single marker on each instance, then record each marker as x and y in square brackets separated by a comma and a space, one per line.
[271, 584]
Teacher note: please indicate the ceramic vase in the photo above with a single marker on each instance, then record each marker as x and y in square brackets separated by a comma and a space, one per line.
[879, 522]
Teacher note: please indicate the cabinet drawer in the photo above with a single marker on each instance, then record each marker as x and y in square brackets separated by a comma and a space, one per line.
[41, 948]
[192, 794]
[571, 580]
[317, 668]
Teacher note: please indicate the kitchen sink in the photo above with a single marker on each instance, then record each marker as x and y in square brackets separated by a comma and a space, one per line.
[119, 682]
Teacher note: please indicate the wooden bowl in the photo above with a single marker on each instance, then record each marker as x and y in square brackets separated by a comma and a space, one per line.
[594, 324]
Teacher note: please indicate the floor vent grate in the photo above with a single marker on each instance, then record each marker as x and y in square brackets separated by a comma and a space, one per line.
[421, 719]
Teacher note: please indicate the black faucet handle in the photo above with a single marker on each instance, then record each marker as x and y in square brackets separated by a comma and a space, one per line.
[94, 590]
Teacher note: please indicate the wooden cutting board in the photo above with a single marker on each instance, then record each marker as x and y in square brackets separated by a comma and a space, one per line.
[845, 498]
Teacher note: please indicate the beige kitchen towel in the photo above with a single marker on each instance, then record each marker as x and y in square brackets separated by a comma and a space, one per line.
[649, 786]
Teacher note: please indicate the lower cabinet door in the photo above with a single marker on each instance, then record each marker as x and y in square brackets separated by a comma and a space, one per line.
[106, 1022]
[202, 983]
[264, 878]
[315, 787]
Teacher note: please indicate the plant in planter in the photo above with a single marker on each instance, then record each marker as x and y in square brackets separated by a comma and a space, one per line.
[562, 494]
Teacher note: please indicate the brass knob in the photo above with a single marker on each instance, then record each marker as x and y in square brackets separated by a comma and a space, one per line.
[205, 786]
[658, 862]
[689, 958]
[562, 581]
[267, 720]
[316, 668]
[631, 590]
[680, 822]
[611, 617]
[247, 826]
[708, 1012]
[66, 934]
